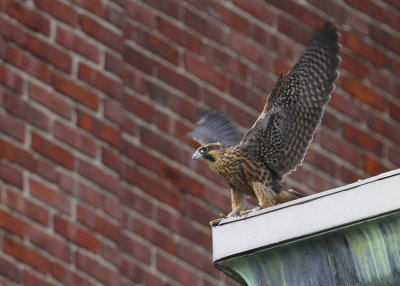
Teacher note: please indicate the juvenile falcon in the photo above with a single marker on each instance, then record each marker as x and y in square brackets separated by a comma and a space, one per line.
[277, 142]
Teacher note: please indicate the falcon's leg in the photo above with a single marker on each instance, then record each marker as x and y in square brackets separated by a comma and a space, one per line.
[237, 199]
[266, 197]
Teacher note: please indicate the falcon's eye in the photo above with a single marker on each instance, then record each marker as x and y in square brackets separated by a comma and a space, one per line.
[204, 150]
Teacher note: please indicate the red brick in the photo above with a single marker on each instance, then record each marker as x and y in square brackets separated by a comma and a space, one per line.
[11, 175]
[113, 160]
[207, 28]
[135, 80]
[99, 80]
[27, 112]
[26, 207]
[292, 29]
[367, 51]
[100, 177]
[95, 6]
[25, 254]
[157, 189]
[179, 35]
[363, 93]
[72, 137]
[205, 72]
[79, 189]
[16, 154]
[98, 223]
[59, 10]
[136, 249]
[33, 280]
[348, 106]
[158, 46]
[50, 100]
[176, 271]
[180, 225]
[111, 254]
[200, 260]
[28, 63]
[161, 144]
[52, 151]
[373, 165]
[12, 224]
[78, 44]
[155, 236]
[348, 175]
[113, 111]
[12, 127]
[359, 24]
[139, 60]
[226, 61]
[115, 63]
[75, 91]
[251, 51]
[50, 196]
[393, 19]
[179, 81]
[10, 78]
[133, 271]
[141, 13]
[67, 276]
[362, 138]
[113, 207]
[169, 7]
[368, 7]
[247, 96]
[45, 169]
[342, 148]
[10, 270]
[322, 162]
[331, 7]
[99, 129]
[262, 80]
[394, 111]
[257, 9]
[137, 202]
[13, 32]
[49, 53]
[384, 127]
[96, 269]
[102, 33]
[199, 212]
[394, 155]
[77, 235]
[49, 243]
[354, 65]
[386, 39]
[29, 17]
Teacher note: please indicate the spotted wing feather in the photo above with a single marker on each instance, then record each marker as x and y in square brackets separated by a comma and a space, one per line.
[281, 135]
[214, 127]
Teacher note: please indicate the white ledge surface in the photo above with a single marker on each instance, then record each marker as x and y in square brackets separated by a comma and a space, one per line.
[312, 214]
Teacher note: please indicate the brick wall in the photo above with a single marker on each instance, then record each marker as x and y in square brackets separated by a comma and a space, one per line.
[96, 178]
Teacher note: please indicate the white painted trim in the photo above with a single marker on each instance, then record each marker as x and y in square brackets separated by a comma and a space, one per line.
[308, 215]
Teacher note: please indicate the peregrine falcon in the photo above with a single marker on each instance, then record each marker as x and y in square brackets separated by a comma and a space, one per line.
[254, 164]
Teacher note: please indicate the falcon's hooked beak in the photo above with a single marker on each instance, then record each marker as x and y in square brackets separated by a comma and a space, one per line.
[197, 155]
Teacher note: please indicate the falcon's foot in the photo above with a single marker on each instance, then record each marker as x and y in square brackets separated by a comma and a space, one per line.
[233, 213]
[256, 208]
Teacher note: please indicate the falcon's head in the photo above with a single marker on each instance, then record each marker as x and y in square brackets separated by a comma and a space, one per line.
[209, 153]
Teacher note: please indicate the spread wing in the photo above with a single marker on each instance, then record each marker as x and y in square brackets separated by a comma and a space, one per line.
[282, 133]
[214, 127]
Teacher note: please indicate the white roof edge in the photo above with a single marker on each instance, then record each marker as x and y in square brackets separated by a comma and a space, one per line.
[326, 210]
